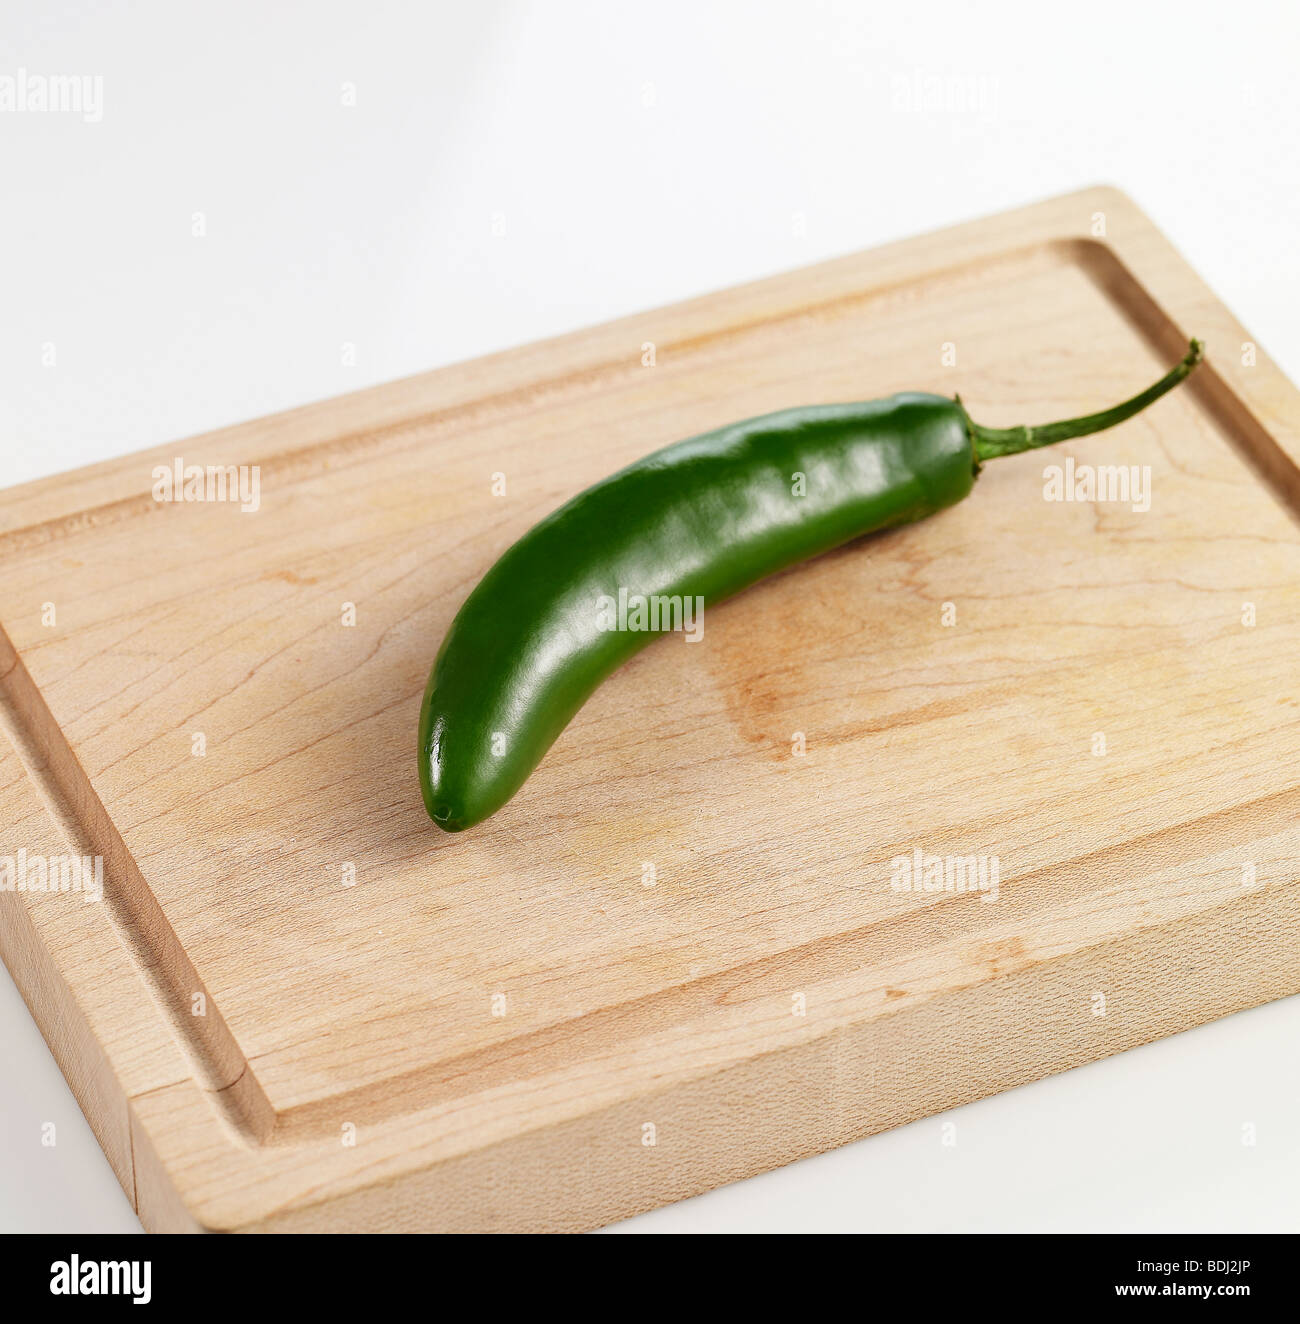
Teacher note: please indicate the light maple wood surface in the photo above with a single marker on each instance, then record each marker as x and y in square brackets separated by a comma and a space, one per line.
[770, 995]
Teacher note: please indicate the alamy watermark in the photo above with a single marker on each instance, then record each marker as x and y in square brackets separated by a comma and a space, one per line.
[924, 92]
[77, 1277]
[24, 93]
[22, 872]
[655, 613]
[179, 481]
[1126, 484]
[919, 872]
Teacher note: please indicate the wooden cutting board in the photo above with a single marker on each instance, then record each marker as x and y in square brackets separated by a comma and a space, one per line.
[681, 955]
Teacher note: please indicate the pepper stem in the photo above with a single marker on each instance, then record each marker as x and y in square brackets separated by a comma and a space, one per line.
[990, 443]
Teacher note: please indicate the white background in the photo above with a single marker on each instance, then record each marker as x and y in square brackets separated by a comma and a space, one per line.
[634, 154]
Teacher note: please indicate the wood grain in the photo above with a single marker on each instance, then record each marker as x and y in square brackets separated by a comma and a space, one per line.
[402, 1029]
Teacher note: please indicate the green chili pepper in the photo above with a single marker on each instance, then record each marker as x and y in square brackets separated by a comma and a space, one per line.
[697, 521]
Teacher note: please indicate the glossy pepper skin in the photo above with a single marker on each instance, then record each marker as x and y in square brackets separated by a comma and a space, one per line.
[703, 518]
